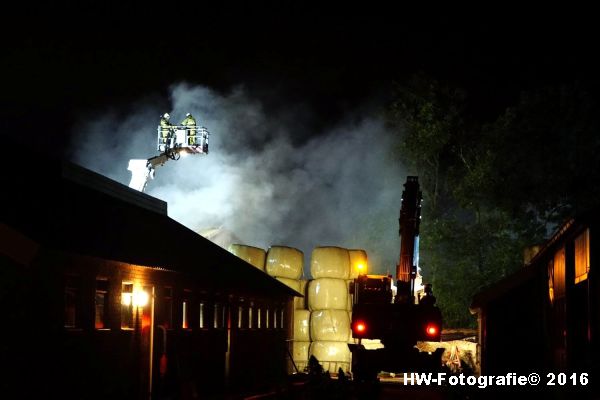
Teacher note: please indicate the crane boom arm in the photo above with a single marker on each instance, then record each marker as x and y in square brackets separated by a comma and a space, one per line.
[410, 215]
[143, 170]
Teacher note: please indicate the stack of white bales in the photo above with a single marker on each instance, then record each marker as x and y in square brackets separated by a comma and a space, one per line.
[252, 255]
[301, 337]
[358, 266]
[286, 264]
[328, 303]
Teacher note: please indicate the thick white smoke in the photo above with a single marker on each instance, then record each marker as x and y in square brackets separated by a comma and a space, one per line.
[259, 181]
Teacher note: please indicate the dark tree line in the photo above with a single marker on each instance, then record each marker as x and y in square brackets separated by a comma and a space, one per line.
[493, 188]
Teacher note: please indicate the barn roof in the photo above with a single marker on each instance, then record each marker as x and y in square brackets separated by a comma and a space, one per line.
[539, 262]
[72, 209]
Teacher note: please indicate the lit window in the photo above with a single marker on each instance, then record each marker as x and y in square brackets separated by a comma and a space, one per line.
[219, 316]
[267, 318]
[250, 312]
[72, 302]
[201, 316]
[127, 306]
[551, 281]
[185, 312]
[143, 298]
[185, 319]
[559, 274]
[101, 314]
[582, 256]
[240, 317]
[281, 319]
[259, 318]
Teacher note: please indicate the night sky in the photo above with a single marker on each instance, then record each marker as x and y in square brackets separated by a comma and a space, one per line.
[298, 158]
[60, 64]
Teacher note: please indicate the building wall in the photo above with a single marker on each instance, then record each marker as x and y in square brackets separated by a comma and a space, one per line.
[548, 321]
[83, 360]
[513, 331]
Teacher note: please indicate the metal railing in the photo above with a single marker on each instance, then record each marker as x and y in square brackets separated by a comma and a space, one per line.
[181, 136]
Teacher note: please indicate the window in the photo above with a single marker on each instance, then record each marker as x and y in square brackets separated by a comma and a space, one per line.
[201, 323]
[167, 311]
[216, 313]
[551, 281]
[559, 274]
[267, 322]
[251, 323]
[281, 319]
[219, 316]
[259, 318]
[185, 316]
[101, 312]
[72, 315]
[240, 316]
[185, 312]
[127, 305]
[582, 256]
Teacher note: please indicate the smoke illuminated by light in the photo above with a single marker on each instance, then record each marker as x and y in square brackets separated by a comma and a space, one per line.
[267, 178]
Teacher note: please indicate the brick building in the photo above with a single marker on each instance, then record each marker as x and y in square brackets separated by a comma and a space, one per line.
[103, 295]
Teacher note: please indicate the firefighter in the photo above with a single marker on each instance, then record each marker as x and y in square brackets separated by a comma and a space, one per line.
[166, 129]
[190, 123]
[429, 299]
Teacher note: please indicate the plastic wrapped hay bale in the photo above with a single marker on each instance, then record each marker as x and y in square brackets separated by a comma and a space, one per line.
[330, 262]
[331, 355]
[358, 263]
[330, 325]
[284, 262]
[327, 294]
[252, 255]
[302, 325]
[300, 302]
[292, 283]
[350, 295]
[300, 351]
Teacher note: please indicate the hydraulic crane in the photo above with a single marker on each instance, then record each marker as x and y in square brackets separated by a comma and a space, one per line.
[178, 141]
[397, 321]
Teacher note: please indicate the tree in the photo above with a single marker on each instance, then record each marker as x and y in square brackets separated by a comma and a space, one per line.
[491, 189]
[430, 116]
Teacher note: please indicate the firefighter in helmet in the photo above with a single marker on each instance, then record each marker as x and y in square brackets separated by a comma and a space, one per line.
[166, 129]
[429, 299]
[189, 122]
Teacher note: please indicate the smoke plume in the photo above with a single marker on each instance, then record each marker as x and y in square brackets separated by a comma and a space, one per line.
[265, 179]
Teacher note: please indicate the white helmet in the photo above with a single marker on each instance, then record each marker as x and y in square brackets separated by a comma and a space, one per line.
[188, 115]
[166, 116]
